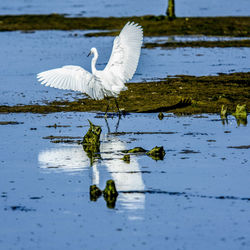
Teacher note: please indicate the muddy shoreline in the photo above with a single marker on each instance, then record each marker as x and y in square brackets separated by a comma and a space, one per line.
[199, 44]
[179, 94]
[152, 25]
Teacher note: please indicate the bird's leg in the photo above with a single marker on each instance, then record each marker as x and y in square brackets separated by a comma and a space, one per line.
[107, 109]
[107, 124]
[118, 110]
[117, 124]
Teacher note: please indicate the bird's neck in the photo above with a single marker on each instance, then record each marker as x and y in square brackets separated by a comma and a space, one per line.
[93, 63]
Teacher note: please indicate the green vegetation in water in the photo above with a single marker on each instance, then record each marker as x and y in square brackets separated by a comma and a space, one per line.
[224, 114]
[110, 194]
[241, 114]
[136, 150]
[10, 123]
[93, 134]
[171, 10]
[199, 44]
[126, 158]
[173, 95]
[94, 192]
[152, 25]
[160, 116]
[157, 153]
[91, 142]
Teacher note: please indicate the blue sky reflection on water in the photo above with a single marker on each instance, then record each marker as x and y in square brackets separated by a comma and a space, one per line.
[50, 183]
[125, 8]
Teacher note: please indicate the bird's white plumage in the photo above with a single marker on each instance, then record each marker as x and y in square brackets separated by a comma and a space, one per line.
[100, 83]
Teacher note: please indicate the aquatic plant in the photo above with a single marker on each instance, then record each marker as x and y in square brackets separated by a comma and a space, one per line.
[91, 142]
[171, 10]
[241, 114]
[94, 192]
[126, 158]
[157, 153]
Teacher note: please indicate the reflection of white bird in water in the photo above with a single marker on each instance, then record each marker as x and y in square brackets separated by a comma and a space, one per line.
[127, 177]
[102, 83]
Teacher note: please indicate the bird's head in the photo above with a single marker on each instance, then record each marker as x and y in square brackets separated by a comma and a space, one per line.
[92, 51]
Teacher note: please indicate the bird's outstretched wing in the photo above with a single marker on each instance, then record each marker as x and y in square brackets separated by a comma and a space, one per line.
[126, 52]
[73, 78]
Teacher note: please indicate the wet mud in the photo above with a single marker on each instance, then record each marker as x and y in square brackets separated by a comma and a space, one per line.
[199, 44]
[178, 94]
[152, 25]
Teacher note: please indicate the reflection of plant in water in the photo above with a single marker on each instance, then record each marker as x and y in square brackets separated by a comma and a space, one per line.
[110, 150]
[92, 151]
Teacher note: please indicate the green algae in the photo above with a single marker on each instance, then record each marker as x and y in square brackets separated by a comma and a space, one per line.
[200, 44]
[157, 153]
[136, 150]
[94, 192]
[241, 114]
[152, 25]
[126, 158]
[171, 10]
[179, 95]
[110, 189]
[91, 142]
[110, 194]
[93, 134]
[224, 114]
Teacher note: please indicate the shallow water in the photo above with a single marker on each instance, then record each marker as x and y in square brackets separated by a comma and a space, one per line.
[126, 8]
[24, 55]
[197, 197]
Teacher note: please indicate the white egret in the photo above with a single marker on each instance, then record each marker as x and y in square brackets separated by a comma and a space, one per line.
[102, 83]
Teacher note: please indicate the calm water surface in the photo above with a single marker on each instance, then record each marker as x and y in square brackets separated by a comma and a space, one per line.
[125, 8]
[197, 197]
